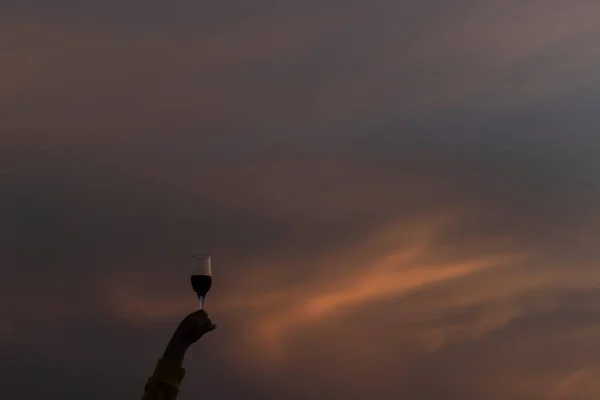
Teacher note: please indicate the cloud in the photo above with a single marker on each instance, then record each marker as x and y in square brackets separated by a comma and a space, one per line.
[285, 75]
[401, 200]
[360, 278]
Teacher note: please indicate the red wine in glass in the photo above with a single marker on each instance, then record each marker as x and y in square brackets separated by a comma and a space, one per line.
[201, 278]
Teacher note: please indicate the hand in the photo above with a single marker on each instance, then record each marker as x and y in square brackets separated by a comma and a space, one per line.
[192, 328]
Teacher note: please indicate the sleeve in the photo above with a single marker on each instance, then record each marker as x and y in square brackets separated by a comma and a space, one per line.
[164, 382]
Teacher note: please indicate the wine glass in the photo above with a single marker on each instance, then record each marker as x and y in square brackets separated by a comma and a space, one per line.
[201, 277]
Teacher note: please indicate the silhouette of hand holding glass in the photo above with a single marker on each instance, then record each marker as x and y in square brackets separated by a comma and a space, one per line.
[192, 328]
[169, 373]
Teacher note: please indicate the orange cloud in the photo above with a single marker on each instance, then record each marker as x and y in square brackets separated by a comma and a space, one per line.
[351, 281]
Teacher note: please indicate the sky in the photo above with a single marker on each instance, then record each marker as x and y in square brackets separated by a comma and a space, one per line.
[401, 198]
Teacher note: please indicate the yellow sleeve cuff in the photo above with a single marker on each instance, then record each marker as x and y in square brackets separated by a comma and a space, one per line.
[169, 373]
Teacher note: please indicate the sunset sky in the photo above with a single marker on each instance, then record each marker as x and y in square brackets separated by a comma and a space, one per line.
[401, 198]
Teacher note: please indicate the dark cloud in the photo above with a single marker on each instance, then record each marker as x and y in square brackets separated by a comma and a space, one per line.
[401, 201]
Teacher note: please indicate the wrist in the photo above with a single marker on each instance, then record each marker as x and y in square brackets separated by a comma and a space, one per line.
[175, 351]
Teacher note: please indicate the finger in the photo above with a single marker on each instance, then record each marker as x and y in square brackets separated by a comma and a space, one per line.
[201, 322]
[198, 317]
[199, 313]
[207, 324]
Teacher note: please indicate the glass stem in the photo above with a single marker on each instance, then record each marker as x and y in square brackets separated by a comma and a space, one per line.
[201, 302]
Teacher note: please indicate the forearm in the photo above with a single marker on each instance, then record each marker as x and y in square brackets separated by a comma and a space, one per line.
[175, 352]
[164, 382]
